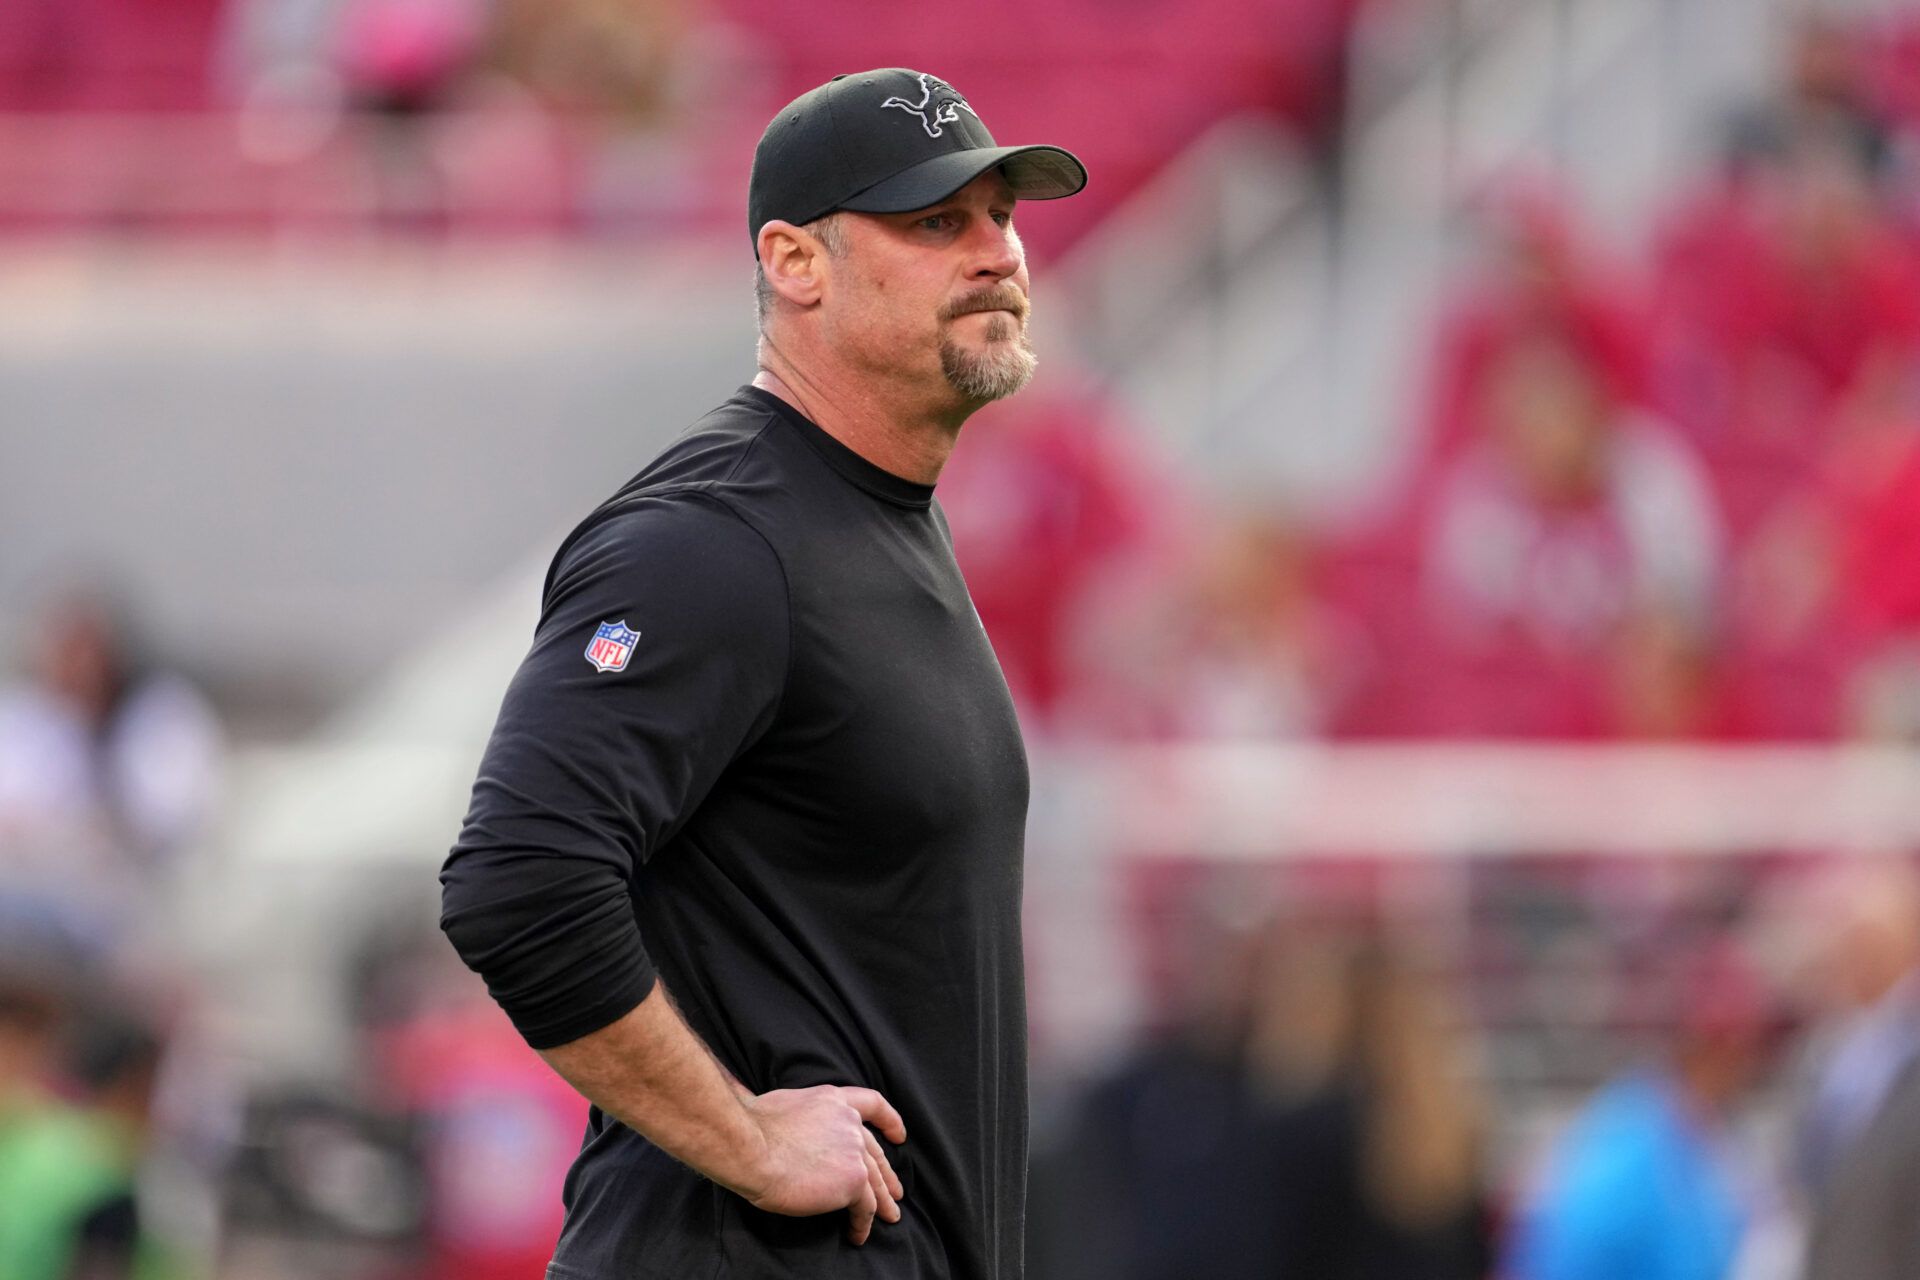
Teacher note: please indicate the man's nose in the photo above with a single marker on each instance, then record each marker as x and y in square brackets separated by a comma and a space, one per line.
[999, 252]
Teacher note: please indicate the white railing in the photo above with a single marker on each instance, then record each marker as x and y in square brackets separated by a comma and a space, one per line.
[322, 831]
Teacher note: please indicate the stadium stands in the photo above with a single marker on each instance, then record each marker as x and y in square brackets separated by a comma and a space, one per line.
[1639, 616]
[164, 113]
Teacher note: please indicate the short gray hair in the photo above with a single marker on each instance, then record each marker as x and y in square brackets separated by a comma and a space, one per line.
[832, 237]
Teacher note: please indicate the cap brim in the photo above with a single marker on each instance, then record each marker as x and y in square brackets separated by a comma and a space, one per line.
[1034, 172]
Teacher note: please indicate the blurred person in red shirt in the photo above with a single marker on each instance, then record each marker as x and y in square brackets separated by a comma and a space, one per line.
[1535, 277]
[1824, 611]
[1873, 488]
[1234, 640]
[1873, 494]
[1052, 507]
[498, 1129]
[1569, 563]
[1846, 282]
[1779, 287]
[1887, 57]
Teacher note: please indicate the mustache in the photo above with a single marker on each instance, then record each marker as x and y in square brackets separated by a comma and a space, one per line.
[999, 297]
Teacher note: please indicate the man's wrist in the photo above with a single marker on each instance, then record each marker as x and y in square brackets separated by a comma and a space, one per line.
[751, 1159]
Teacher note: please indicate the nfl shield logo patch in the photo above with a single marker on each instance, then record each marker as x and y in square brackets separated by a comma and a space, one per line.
[612, 645]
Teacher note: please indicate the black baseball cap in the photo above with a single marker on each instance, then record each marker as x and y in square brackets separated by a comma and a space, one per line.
[887, 141]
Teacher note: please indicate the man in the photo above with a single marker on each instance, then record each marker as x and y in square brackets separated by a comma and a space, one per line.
[1859, 1132]
[1648, 1180]
[744, 856]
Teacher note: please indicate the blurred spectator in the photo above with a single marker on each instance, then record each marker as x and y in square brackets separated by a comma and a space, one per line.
[1888, 54]
[1787, 657]
[405, 57]
[1405, 1198]
[615, 56]
[1051, 510]
[1779, 292]
[1782, 275]
[496, 1128]
[1824, 605]
[1307, 1118]
[401, 61]
[1872, 480]
[1859, 1151]
[1237, 642]
[1846, 278]
[1143, 1176]
[114, 1062]
[1646, 1181]
[109, 765]
[68, 1209]
[1872, 501]
[1570, 562]
[1824, 111]
[1536, 280]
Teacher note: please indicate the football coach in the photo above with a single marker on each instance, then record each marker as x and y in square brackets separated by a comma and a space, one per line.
[743, 861]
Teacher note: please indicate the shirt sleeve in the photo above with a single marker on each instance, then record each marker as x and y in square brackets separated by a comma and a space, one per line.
[660, 656]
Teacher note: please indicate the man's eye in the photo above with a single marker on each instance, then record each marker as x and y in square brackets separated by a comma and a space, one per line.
[1004, 219]
[936, 222]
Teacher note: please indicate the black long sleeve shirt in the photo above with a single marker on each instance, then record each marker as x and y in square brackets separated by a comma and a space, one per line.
[761, 749]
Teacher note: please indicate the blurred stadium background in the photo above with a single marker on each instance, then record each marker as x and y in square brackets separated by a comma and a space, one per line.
[1459, 568]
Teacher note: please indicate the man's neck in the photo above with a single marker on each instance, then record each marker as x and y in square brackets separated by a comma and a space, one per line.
[910, 441]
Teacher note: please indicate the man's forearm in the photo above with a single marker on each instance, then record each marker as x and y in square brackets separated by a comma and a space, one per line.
[652, 1073]
[793, 1151]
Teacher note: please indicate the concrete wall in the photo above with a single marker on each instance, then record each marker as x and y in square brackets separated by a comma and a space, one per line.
[301, 463]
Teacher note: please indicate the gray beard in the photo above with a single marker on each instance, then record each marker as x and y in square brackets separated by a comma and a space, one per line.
[1003, 369]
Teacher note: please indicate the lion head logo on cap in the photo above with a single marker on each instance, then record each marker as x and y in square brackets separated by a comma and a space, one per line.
[951, 105]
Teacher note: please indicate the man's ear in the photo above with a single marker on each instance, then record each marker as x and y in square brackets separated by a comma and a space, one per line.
[794, 261]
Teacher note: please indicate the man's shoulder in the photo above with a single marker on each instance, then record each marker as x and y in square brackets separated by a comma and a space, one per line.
[723, 450]
[690, 532]
[700, 491]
